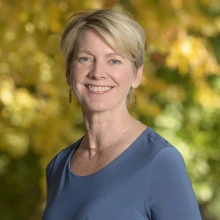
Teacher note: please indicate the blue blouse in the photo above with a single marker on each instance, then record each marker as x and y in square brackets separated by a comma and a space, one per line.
[148, 181]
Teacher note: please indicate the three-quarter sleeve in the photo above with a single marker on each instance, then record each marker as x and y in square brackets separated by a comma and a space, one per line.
[169, 192]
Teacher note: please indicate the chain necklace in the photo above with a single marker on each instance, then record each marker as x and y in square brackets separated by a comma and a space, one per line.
[89, 169]
[98, 148]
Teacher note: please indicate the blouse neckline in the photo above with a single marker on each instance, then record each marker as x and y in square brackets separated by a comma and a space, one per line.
[109, 165]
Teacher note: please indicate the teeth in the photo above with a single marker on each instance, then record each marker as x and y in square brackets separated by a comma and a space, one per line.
[98, 88]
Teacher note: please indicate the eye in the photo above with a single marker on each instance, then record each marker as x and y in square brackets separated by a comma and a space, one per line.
[85, 60]
[115, 61]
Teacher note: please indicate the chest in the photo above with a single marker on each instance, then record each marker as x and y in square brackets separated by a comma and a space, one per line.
[117, 194]
[96, 202]
[83, 165]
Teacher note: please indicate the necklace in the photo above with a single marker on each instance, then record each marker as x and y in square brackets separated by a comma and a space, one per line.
[91, 168]
[95, 149]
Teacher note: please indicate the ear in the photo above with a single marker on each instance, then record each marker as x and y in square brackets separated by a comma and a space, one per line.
[137, 80]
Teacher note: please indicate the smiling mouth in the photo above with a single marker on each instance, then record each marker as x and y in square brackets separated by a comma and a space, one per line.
[98, 88]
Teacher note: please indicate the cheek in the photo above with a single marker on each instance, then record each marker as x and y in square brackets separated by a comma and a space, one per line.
[129, 75]
[75, 75]
[80, 71]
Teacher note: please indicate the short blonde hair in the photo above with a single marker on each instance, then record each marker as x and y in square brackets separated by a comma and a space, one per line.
[123, 34]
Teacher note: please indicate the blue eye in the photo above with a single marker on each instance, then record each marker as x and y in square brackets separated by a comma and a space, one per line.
[115, 61]
[83, 59]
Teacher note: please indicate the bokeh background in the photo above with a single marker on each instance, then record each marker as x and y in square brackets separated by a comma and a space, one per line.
[179, 96]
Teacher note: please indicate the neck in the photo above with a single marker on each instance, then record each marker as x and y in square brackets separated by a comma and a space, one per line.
[105, 129]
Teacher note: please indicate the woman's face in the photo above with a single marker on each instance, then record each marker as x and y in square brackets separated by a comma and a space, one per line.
[100, 77]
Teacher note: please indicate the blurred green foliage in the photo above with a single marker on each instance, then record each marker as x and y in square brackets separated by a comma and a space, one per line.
[179, 96]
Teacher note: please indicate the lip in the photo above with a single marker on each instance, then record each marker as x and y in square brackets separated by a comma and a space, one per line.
[98, 89]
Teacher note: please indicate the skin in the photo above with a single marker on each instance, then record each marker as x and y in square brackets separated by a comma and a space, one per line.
[101, 80]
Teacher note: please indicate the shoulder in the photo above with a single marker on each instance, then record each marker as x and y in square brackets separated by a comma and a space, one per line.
[168, 161]
[152, 144]
[163, 154]
[164, 161]
[168, 189]
[156, 139]
[60, 159]
[167, 170]
[156, 153]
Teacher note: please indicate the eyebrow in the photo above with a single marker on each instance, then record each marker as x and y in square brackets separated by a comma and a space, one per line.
[107, 55]
[85, 51]
[114, 54]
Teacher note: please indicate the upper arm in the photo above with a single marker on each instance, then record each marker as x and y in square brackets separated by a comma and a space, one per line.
[169, 192]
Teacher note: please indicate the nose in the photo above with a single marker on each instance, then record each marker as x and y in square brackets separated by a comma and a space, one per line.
[98, 71]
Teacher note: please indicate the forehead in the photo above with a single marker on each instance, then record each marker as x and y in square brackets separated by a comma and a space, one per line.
[91, 39]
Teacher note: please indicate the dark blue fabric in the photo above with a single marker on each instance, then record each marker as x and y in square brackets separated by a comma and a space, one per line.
[148, 181]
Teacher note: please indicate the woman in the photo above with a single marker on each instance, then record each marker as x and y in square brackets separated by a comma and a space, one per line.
[121, 169]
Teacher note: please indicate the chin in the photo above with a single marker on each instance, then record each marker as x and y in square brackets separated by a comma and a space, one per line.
[98, 108]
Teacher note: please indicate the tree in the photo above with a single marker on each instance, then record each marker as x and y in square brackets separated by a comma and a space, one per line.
[178, 97]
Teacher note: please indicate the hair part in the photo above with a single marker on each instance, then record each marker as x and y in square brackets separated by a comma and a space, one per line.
[120, 32]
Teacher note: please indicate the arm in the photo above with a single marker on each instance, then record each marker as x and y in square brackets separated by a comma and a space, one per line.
[170, 195]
